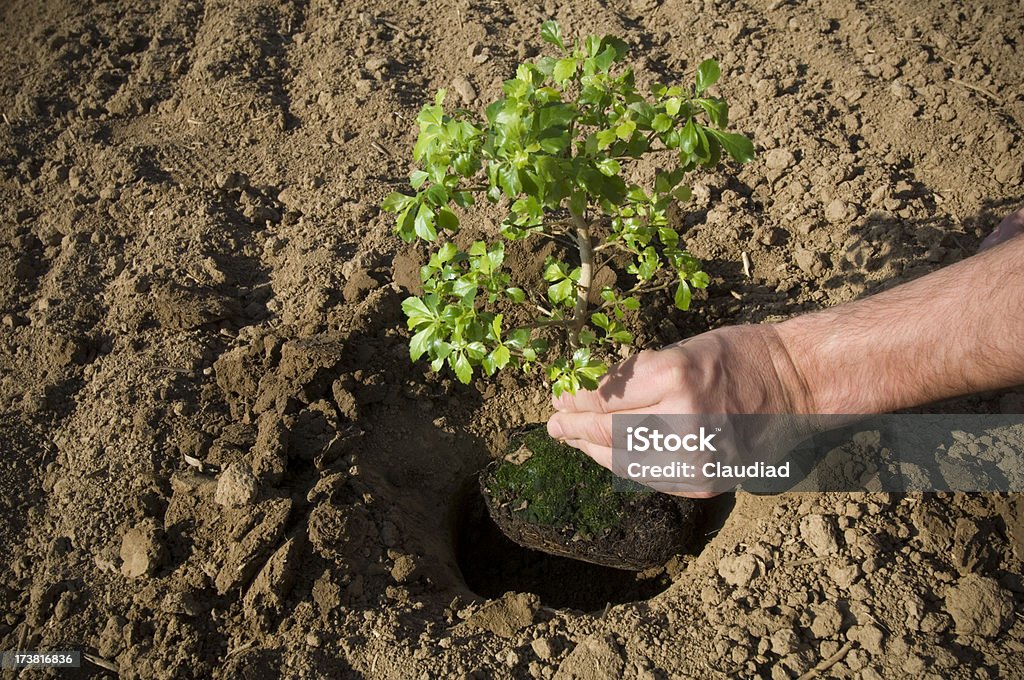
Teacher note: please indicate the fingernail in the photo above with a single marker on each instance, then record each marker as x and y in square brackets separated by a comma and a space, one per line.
[554, 430]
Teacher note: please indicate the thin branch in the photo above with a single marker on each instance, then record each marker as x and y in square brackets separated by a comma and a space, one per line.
[579, 315]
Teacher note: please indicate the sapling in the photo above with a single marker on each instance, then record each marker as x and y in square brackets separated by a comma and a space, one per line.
[556, 152]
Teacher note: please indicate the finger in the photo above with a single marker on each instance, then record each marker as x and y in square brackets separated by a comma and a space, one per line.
[597, 428]
[592, 427]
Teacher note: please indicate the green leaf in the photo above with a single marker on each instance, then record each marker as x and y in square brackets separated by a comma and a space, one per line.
[605, 138]
[683, 193]
[551, 32]
[604, 60]
[683, 296]
[424, 223]
[736, 145]
[555, 115]
[554, 271]
[700, 280]
[396, 202]
[661, 123]
[717, 110]
[578, 202]
[447, 252]
[417, 178]
[625, 130]
[447, 220]
[510, 181]
[688, 137]
[501, 356]
[417, 311]
[420, 343]
[608, 166]
[561, 291]
[600, 319]
[668, 236]
[623, 337]
[437, 194]
[463, 370]
[515, 295]
[707, 75]
[672, 105]
[564, 69]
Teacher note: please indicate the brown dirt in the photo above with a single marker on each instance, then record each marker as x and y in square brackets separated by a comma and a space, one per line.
[194, 277]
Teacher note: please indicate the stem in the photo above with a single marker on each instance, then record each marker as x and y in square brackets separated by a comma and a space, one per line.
[579, 315]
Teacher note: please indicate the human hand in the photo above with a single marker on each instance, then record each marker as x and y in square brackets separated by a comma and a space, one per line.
[1011, 225]
[733, 370]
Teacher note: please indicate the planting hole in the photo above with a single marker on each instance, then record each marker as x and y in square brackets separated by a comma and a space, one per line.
[492, 565]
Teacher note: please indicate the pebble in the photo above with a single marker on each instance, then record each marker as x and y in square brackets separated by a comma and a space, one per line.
[827, 620]
[809, 262]
[236, 486]
[142, 550]
[779, 159]
[869, 637]
[543, 648]
[819, 533]
[739, 570]
[464, 89]
[404, 568]
[785, 641]
[837, 211]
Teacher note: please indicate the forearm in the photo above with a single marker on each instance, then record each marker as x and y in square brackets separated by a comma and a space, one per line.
[956, 331]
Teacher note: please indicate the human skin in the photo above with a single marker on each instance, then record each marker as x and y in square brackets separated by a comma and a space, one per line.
[956, 331]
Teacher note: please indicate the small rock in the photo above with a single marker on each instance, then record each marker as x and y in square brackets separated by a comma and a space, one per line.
[464, 89]
[809, 262]
[837, 211]
[979, 606]
[375, 63]
[403, 569]
[844, 575]
[785, 641]
[868, 636]
[827, 620]
[236, 486]
[1009, 172]
[739, 570]
[594, 658]
[819, 533]
[142, 550]
[231, 180]
[779, 159]
[543, 648]
[506, 615]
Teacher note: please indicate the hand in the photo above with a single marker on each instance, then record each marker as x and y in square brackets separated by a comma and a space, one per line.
[1012, 225]
[738, 369]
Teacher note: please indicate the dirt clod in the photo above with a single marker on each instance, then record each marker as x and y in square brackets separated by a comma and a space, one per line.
[820, 534]
[506, 616]
[142, 550]
[979, 606]
[237, 486]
